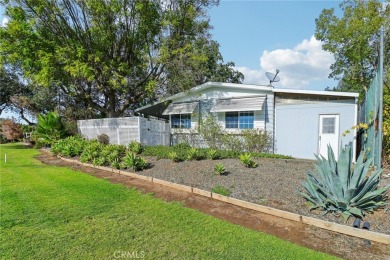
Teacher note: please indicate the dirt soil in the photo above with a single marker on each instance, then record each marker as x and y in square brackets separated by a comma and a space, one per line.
[315, 238]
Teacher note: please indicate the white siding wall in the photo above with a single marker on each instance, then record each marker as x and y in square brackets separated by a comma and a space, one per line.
[263, 118]
[297, 125]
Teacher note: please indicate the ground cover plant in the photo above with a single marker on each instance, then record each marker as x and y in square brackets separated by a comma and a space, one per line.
[50, 212]
[219, 189]
[339, 187]
[183, 150]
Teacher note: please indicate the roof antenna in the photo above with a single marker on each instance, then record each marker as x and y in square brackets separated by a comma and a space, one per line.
[272, 77]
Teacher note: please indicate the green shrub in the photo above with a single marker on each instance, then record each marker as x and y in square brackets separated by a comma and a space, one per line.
[174, 157]
[91, 151]
[195, 154]
[183, 151]
[181, 146]
[99, 161]
[110, 153]
[136, 147]
[70, 147]
[116, 163]
[247, 160]
[256, 140]
[212, 154]
[49, 129]
[219, 169]
[339, 187]
[132, 161]
[221, 190]
[103, 139]
[159, 151]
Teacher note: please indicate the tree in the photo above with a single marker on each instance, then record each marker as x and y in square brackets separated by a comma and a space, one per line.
[11, 130]
[354, 41]
[109, 56]
[24, 98]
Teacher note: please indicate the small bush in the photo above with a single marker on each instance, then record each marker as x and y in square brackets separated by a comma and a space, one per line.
[91, 151]
[132, 161]
[116, 163]
[103, 139]
[247, 160]
[219, 169]
[174, 157]
[70, 147]
[135, 147]
[256, 140]
[212, 154]
[181, 146]
[221, 190]
[195, 154]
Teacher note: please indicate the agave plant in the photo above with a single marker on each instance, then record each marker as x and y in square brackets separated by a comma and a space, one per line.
[340, 187]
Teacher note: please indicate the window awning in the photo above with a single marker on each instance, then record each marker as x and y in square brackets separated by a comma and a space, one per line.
[180, 108]
[239, 104]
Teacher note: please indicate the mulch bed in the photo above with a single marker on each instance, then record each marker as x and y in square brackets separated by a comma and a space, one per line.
[312, 237]
[274, 183]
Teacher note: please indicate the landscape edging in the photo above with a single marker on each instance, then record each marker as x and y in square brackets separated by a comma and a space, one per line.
[332, 226]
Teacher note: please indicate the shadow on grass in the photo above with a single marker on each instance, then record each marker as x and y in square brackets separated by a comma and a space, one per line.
[10, 146]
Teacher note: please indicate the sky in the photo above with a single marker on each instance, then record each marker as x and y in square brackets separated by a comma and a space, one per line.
[262, 36]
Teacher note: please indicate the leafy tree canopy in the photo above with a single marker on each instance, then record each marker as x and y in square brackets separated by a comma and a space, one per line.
[107, 57]
[353, 38]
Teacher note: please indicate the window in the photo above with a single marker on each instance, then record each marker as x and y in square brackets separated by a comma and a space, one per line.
[328, 125]
[241, 120]
[181, 121]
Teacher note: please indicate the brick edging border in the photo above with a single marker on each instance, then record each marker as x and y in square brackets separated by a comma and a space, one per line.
[332, 226]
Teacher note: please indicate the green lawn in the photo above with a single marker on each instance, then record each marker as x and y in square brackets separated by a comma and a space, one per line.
[52, 212]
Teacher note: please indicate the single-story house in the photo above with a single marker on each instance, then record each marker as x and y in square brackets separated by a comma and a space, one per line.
[302, 122]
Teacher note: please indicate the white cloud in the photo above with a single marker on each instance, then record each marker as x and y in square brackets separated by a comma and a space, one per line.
[299, 67]
[4, 22]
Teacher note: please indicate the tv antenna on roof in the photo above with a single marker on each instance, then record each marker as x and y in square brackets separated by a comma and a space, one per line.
[272, 77]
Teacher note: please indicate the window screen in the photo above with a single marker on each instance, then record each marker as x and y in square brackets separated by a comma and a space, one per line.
[231, 119]
[246, 120]
[241, 120]
[328, 125]
[181, 121]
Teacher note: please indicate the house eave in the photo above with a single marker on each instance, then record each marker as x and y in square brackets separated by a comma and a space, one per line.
[316, 92]
[205, 86]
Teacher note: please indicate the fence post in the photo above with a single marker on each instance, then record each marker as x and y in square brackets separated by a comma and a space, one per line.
[380, 116]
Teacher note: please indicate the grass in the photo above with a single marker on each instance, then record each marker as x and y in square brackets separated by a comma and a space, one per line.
[52, 212]
[221, 190]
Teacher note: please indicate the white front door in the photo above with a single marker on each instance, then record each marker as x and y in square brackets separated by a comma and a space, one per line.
[328, 134]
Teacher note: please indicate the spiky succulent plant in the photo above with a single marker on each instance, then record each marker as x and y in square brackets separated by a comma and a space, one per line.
[339, 186]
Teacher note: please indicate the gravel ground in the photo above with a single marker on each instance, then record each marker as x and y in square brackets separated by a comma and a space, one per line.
[273, 183]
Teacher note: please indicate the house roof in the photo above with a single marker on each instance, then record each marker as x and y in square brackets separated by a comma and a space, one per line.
[158, 107]
[316, 92]
[162, 104]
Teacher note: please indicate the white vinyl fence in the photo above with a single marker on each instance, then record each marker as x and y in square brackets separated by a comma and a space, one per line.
[126, 129]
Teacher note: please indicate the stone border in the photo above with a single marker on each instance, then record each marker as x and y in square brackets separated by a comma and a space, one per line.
[335, 227]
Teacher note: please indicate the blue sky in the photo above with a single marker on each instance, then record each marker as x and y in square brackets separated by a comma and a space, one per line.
[278, 32]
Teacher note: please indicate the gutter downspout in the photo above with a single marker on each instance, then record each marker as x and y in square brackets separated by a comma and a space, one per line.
[274, 124]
